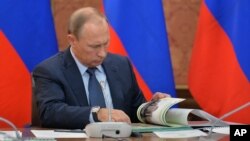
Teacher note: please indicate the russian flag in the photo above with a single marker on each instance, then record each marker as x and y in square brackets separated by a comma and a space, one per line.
[138, 31]
[219, 75]
[27, 36]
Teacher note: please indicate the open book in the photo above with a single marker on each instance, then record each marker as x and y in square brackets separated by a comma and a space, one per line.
[160, 113]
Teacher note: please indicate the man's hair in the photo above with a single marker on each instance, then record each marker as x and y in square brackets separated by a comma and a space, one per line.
[82, 16]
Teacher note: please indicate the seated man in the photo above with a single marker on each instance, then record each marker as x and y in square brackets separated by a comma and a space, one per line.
[79, 85]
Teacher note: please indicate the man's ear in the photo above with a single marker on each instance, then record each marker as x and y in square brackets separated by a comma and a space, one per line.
[71, 39]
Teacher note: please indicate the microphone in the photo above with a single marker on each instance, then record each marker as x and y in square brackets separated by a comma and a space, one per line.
[18, 136]
[108, 129]
[226, 115]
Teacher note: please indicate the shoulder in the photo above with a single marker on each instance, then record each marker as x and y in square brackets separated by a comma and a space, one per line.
[117, 59]
[51, 63]
[118, 62]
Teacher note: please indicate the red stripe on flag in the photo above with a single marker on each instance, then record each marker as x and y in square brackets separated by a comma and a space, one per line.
[215, 78]
[15, 86]
[117, 47]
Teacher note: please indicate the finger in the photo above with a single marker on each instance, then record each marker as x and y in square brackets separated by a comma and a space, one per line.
[167, 95]
[127, 119]
[120, 116]
[124, 119]
[159, 95]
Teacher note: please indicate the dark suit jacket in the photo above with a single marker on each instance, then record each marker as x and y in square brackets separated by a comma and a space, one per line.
[61, 97]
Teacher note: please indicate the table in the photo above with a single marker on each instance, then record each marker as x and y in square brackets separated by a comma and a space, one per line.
[144, 137]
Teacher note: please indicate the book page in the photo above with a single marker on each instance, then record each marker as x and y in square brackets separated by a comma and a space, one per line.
[182, 116]
[155, 111]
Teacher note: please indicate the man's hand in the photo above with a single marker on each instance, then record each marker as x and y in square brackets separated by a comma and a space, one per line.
[159, 95]
[116, 115]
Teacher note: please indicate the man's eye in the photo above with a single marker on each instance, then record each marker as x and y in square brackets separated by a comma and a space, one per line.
[106, 43]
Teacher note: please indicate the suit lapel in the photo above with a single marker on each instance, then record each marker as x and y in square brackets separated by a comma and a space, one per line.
[74, 78]
[114, 84]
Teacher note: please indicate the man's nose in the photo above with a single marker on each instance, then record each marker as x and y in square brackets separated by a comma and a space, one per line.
[102, 52]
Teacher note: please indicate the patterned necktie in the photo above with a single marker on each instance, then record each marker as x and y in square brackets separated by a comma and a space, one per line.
[96, 97]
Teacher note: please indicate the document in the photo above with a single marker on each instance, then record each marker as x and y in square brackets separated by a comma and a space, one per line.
[54, 134]
[181, 134]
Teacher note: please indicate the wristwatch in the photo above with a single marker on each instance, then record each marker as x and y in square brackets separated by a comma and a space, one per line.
[94, 111]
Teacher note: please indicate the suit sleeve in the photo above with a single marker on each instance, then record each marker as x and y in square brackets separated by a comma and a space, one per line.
[54, 110]
[137, 95]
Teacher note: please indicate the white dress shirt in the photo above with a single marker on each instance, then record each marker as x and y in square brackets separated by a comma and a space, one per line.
[100, 76]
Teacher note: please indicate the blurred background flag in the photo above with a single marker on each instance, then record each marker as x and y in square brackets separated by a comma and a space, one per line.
[138, 31]
[219, 72]
[27, 36]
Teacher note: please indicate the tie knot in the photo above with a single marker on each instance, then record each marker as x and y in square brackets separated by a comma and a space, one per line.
[91, 71]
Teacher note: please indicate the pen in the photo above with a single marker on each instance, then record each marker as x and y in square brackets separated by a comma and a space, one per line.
[71, 131]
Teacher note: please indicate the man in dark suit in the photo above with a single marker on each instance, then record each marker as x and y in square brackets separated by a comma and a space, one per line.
[62, 82]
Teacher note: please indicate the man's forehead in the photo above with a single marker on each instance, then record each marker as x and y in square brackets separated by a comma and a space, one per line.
[92, 29]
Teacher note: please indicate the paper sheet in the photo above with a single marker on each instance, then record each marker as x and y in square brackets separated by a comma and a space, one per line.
[180, 134]
[53, 134]
[6, 134]
[221, 130]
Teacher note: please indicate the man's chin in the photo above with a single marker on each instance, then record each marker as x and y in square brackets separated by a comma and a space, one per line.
[97, 63]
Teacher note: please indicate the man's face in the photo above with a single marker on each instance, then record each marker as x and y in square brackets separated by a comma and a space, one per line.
[91, 46]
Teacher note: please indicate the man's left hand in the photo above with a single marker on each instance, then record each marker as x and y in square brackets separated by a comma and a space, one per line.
[159, 95]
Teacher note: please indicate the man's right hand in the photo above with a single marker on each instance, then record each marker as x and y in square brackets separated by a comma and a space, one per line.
[116, 115]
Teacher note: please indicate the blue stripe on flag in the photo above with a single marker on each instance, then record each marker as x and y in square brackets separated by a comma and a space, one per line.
[29, 27]
[141, 28]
